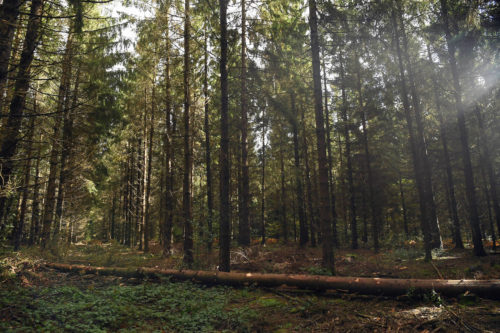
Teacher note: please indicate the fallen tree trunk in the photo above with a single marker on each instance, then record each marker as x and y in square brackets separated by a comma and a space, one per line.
[367, 286]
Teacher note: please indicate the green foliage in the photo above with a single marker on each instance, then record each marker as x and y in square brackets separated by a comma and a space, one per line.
[418, 295]
[317, 270]
[179, 307]
[407, 253]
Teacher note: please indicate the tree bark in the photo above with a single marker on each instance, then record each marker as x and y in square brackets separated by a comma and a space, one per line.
[324, 201]
[361, 285]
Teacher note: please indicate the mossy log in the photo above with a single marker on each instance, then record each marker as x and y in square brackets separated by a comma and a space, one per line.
[366, 286]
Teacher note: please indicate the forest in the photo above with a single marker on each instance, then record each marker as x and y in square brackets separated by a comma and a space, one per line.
[249, 165]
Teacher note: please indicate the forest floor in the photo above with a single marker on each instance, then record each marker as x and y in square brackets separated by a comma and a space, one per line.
[36, 298]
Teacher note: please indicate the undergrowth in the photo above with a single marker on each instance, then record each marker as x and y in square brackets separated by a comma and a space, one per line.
[179, 307]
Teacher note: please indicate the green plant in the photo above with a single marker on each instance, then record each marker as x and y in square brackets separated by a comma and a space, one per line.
[316, 270]
[179, 307]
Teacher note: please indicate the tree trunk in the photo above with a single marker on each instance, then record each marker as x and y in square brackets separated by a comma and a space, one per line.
[169, 196]
[342, 179]
[263, 182]
[147, 213]
[50, 194]
[375, 210]
[488, 165]
[284, 224]
[35, 205]
[436, 240]
[244, 226]
[403, 207]
[188, 162]
[313, 225]
[350, 180]
[18, 230]
[224, 226]
[66, 144]
[488, 207]
[9, 11]
[360, 285]
[450, 183]
[464, 139]
[10, 132]
[417, 167]
[330, 159]
[324, 201]
[303, 233]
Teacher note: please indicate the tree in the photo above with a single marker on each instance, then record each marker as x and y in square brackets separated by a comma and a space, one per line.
[10, 131]
[464, 138]
[325, 219]
[188, 162]
[224, 232]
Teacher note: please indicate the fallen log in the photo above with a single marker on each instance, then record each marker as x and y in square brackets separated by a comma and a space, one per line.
[367, 286]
